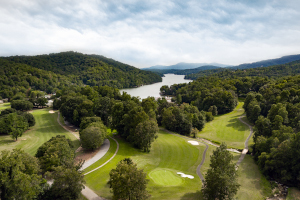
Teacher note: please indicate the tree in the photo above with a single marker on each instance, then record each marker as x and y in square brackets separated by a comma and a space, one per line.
[67, 184]
[194, 132]
[214, 110]
[42, 101]
[21, 105]
[18, 125]
[145, 133]
[30, 119]
[56, 152]
[221, 178]
[128, 182]
[19, 176]
[92, 137]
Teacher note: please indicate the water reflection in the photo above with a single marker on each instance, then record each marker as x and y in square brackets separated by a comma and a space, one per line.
[154, 89]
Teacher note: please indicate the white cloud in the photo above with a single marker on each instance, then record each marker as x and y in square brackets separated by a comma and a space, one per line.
[145, 33]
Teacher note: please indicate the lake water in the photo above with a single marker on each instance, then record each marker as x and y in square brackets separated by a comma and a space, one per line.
[154, 89]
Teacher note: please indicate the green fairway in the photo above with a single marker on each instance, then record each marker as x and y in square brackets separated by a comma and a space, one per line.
[169, 154]
[165, 177]
[293, 194]
[253, 184]
[4, 106]
[228, 128]
[45, 128]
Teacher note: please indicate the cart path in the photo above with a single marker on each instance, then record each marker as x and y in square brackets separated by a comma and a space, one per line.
[203, 156]
[87, 192]
[108, 160]
[246, 142]
[103, 150]
[66, 127]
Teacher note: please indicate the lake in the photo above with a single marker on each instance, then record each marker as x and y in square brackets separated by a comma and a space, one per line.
[153, 90]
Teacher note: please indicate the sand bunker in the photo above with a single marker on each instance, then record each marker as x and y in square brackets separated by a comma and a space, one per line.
[51, 111]
[194, 142]
[185, 175]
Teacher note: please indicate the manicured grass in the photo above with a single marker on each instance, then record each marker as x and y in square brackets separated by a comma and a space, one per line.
[227, 128]
[165, 177]
[293, 194]
[168, 152]
[45, 128]
[4, 106]
[253, 184]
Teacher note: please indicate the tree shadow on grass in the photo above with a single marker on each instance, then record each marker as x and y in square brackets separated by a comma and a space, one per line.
[190, 195]
[6, 141]
[237, 124]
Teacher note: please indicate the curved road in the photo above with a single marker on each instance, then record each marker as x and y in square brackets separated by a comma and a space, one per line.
[87, 192]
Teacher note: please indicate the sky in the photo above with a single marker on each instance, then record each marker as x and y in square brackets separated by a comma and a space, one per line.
[153, 32]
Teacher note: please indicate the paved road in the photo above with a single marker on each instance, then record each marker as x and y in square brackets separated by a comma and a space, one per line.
[246, 142]
[106, 161]
[87, 192]
[103, 150]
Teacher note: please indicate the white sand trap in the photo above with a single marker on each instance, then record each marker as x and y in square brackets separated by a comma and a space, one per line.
[51, 111]
[194, 142]
[185, 175]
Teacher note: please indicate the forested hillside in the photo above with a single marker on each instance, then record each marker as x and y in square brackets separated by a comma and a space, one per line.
[49, 72]
[182, 72]
[272, 71]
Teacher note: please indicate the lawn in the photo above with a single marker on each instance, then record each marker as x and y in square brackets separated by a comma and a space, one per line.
[45, 128]
[169, 154]
[293, 194]
[228, 128]
[4, 106]
[253, 184]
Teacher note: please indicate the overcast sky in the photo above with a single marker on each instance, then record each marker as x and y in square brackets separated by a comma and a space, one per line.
[151, 32]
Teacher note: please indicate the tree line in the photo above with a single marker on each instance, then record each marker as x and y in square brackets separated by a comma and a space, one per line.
[275, 111]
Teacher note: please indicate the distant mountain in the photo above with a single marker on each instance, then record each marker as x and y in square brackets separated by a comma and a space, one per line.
[264, 63]
[198, 69]
[182, 66]
[270, 62]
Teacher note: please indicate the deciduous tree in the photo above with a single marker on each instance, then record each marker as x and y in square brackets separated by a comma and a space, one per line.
[128, 182]
[221, 178]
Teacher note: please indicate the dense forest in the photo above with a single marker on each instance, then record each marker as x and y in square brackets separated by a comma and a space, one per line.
[231, 72]
[275, 111]
[55, 71]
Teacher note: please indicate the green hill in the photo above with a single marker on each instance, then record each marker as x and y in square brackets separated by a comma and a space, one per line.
[47, 72]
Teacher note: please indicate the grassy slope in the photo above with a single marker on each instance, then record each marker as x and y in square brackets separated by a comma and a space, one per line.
[227, 128]
[168, 152]
[253, 184]
[4, 106]
[46, 127]
[293, 194]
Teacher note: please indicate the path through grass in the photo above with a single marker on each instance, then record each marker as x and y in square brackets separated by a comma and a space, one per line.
[169, 153]
[45, 128]
[227, 128]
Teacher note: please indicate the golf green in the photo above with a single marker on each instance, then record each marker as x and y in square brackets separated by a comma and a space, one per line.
[165, 177]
